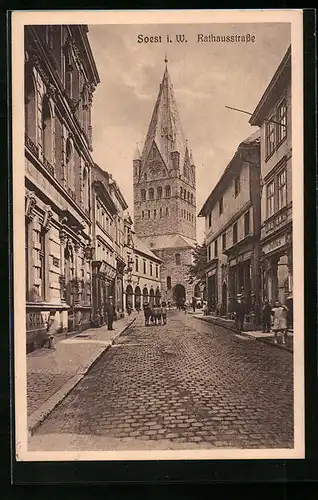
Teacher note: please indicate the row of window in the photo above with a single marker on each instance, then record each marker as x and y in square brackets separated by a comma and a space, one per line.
[104, 219]
[151, 266]
[155, 213]
[237, 190]
[51, 140]
[184, 194]
[234, 237]
[37, 250]
[103, 253]
[186, 215]
[276, 194]
[276, 128]
[151, 193]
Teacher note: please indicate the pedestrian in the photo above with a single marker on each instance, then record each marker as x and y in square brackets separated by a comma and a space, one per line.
[110, 314]
[194, 303]
[239, 313]
[205, 309]
[279, 313]
[169, 304]
[51, 330]
[185, 307]
[164, 312]
[79, 321]
[147, 313]
[266, 316]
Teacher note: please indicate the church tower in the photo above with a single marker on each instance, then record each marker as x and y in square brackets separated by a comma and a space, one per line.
[165, 194]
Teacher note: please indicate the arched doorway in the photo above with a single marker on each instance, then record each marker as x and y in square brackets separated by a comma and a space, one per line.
[145, 296]
[152, 297]
[129, 296]
[179, 294]
[137, 298]
[224, 299]
[158, 297]
[197, 291]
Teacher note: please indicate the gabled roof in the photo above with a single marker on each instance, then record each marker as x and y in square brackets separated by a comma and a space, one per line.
[229, 172]
[141, 247]
[165, 241]
[165, 127]
[281, 77]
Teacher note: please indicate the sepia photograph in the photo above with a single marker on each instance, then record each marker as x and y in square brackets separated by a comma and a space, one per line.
[157, 195]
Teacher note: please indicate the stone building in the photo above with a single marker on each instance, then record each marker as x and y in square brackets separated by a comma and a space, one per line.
[165, 195]
[142, 277]
[232, 226]
[104, 264]
[60, 77]
[273, 115]
[119, 245]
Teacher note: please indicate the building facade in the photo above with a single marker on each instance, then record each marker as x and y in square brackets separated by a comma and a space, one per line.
[142, 282]
[60, 78]
[232, 225]
[165, 195]
[104, 264]
[273, 115]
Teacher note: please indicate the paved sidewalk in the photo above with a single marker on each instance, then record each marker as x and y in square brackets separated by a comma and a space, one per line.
[52, 374]
[249, 330]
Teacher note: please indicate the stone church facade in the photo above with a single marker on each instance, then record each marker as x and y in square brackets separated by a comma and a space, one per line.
[165, 195]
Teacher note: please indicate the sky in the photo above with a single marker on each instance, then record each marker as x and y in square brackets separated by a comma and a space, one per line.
[206, 77]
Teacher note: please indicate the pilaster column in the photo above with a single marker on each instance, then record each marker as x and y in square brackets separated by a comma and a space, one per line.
[62, 264]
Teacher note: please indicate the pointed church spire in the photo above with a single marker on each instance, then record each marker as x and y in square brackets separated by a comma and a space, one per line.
[165, 130]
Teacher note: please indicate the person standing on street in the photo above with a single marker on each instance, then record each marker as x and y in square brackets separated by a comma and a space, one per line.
[147, 313]
[164, 312]
[266, 316]
[194, 303]
[279, 313]
[110, 314]
[239, 313]
[52, 329]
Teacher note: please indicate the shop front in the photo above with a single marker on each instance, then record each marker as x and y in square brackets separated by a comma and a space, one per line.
[103, 288]
[243, 278]
[277, 271]
[211, 287]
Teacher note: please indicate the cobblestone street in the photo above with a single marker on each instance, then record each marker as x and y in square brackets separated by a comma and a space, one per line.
[189, 382]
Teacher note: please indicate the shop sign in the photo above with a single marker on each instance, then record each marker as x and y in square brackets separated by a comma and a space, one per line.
[275, 244]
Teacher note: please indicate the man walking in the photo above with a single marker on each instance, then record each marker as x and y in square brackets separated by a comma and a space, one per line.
[266, 316]
[239, 313]
[194, 303]
[52, 329]
[110, 314]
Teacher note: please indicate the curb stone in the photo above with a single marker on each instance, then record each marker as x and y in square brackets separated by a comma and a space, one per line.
[233, 329]
[39, 415]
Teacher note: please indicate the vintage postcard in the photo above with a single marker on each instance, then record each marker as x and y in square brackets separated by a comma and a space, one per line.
[158, 235]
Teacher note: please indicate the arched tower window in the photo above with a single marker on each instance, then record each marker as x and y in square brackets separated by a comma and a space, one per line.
[178, 259]
[159, 193]
[188, 196]
[47, 132]
[191, 198]
[70, 164]
[29, 104]
[181, 192]
[168, 191]
[143, 195]
[168, 282]
[151, 194]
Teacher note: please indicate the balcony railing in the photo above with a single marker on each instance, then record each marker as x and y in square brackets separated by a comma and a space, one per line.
[31, 146]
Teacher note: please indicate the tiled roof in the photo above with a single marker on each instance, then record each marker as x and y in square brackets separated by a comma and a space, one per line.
[168, 241]
[141, 247]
